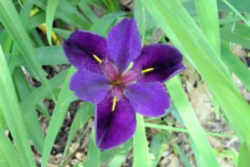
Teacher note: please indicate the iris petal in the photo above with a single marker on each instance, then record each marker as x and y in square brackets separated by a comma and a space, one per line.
[158, 62]
[124, 43]
[148, 99]
[85, 50]
[89, 86]
[114, 127]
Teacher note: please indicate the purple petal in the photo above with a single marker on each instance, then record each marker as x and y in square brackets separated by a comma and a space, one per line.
[89, 86]
[124, 43]
[114, 128]
[165, 59]
[80, 48]
[148, 99]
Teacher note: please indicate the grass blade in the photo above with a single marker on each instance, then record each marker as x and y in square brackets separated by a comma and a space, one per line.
[186, 112]
[9, 17]
[65, 97]
[244, 160]
[8, 149]
[235, 65]
[196, 48]
[82, 116]
[50, 13]
[12, 114]
[31, 119]
[140, 144]
[236, 12]
[93, 157]
[209, 22]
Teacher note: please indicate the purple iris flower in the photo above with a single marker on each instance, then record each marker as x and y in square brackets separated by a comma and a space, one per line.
[104, 79]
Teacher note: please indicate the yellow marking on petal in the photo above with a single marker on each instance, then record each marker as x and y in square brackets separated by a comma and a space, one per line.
[97, 59]
[147, 70]
[114, 103]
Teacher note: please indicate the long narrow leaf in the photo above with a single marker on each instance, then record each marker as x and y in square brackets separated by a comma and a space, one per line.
[65, 97]
[12, 22]
[172, 17]
[140, 144]
[81, 117]
[7, 149]
[50, 13]
[12, 114]
[186, 112]
[209, 22]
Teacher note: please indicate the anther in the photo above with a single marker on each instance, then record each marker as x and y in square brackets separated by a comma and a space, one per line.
[147, 70]
[114, 103]
[97, 58]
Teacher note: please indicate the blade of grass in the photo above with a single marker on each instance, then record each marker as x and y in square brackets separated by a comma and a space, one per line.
[50, 13]
[236, 12]
[244, 160]
[84, 113]
[8, 153]
[208, 18]
[12, 114]
[195, 47]
[191, 122]
[31, 119]
[139, 14]
[157, 148]
[102, 25]
[140, 144]
[84, 6]
[117, 161]
[29, 103]
[9, 17]
[182, 130]
[93, 157]
[68, 13]
[65, 97]
[52, 55]
[236, 65]
[237, 33]
[182, 156]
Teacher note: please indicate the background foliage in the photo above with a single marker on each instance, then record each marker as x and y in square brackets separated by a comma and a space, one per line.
[38, 112]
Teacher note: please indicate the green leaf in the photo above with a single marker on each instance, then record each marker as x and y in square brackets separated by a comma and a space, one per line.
[158, 146]
[9, 17]
[244, 160]
[182, 156]
[236, 65]
[64, 99]
[85, 7]
[93, 157]
[188, 116]
[102, 25]
[28, 104]
[172, 17]
[209, 21]
[237, 33]
[182, 130]
[31, 119]
[139, 14]
[84, 113]
[140, 144]
[52, 55]
[50, 13]
[12, 114]
[8, 154]
[236, 7]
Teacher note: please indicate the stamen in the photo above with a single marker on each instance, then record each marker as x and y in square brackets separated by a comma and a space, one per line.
[114, 103]
[97, 58]
[147, 70]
